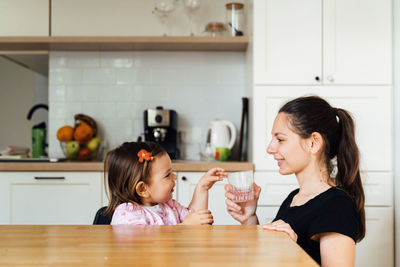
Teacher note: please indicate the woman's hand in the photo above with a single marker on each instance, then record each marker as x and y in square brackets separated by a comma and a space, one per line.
[210, 178]
[199, 217]
[282, 226]
[243, 212]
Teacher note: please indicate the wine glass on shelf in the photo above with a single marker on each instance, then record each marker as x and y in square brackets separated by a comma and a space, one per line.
[191, 7]
[162, 8]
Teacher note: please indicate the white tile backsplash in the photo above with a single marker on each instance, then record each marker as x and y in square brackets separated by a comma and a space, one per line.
[83, 59]
[126, 110]
[132, 76]
[194, 75]
[116, 87]
[99, 76]
[100, 110]
[58, 60]
[63, 110]
[116, 59]
[57, 93]
[65, 76]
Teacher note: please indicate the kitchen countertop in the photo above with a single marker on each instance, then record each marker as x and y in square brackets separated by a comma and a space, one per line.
[177, 166]
[166, 245]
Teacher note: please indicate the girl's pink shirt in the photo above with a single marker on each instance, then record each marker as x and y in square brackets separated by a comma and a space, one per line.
[168, 213]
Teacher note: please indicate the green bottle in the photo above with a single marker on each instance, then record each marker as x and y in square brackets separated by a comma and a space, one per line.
[38, 140]
[38, 133]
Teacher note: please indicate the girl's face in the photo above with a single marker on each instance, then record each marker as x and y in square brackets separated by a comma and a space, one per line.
[287, 147]
[162, 180]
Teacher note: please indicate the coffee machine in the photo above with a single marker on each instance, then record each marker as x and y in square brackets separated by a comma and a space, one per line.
[160, 126]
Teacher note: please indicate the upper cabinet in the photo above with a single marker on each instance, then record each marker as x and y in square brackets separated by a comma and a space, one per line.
[357, 42]
[287, 41]
[16, 21]
[323, 42]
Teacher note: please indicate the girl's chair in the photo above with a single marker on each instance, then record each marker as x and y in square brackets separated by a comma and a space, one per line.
[100, 218]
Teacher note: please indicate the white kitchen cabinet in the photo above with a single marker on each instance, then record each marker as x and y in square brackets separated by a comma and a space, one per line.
[371, 107]
[103, 18]
[104, 190]
[377, 248]
[266, 214]
[24, 18]
[330, 42]
[49, 197]
[287, 41]
[357, 42]
[187, 182]
[276, 187]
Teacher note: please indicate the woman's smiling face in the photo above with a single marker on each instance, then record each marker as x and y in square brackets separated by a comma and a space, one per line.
[287, 147]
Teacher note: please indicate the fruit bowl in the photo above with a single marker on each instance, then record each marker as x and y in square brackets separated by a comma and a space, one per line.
[80, 142]
[74, 151]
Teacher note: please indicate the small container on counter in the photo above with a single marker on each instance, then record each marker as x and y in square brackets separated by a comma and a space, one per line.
[235, 18]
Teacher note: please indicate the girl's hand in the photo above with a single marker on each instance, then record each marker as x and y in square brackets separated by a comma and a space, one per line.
[281, 226]
[211, 177]
[200, 194]
[199, 217]
[242, 211]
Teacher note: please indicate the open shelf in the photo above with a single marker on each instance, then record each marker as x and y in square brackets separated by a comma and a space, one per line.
[162, 43]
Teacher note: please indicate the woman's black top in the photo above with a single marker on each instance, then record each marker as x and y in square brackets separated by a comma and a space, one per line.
[331, 211]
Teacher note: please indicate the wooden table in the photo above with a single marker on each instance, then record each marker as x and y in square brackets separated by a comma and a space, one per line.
[195, 246]
[76, 166]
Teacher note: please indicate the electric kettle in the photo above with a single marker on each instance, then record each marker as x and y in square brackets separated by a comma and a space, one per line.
[221, 133]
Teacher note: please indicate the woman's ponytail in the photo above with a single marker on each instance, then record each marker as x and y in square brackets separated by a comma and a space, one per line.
[348, 161]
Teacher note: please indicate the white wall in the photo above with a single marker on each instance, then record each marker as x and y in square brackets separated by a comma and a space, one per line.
[41, 84]
[132, 12]
[20, 89]
[116, 87]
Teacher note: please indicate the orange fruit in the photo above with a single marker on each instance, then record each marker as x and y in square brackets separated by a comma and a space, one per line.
[83, 133]
[65, 133]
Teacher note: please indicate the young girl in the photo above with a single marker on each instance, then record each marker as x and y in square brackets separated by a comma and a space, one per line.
[325, 216]
[141, 183]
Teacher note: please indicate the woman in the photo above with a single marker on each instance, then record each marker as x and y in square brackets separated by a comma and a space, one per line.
[325, 216]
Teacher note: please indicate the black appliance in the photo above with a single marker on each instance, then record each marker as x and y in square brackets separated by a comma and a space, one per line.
[160, 126]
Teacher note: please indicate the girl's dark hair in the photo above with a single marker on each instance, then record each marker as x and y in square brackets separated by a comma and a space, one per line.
[313, 114]
[123, 171]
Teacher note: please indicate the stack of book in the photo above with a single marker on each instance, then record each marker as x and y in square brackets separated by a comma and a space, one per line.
[14, 152]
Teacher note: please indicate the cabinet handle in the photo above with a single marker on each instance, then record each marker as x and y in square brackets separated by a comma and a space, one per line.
[317, 78]
[184, 178]
[330, 78]
[49, 178]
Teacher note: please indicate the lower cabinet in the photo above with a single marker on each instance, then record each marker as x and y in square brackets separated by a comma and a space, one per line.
[186, 183]
[377, 248]
[49, 197]
[266, 214]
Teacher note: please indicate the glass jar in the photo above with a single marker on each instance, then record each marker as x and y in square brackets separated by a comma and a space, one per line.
[215, 29]
[235, 18]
